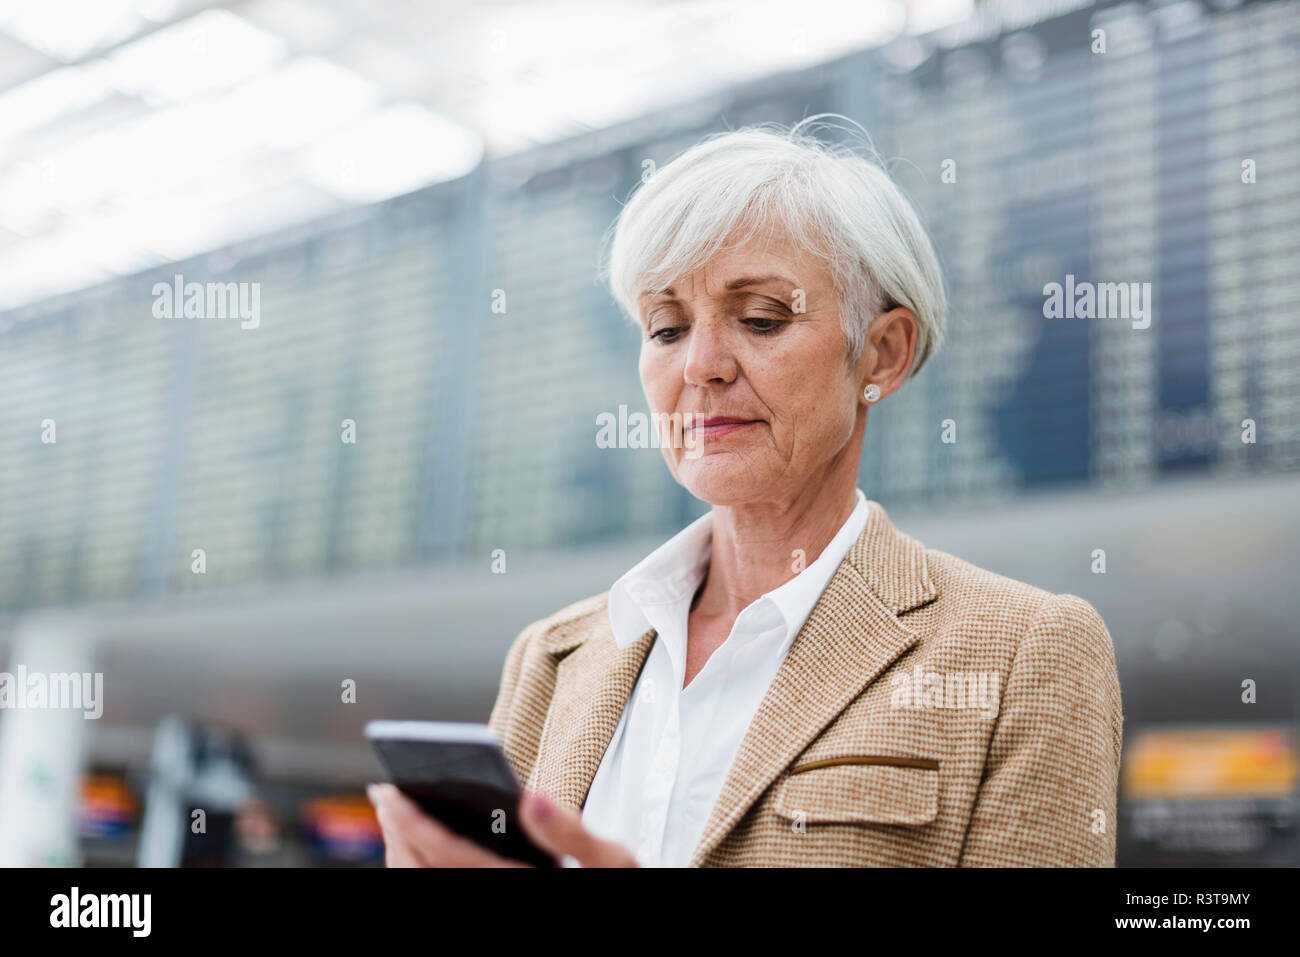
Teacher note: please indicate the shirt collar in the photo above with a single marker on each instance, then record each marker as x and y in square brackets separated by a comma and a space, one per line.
[674, 570]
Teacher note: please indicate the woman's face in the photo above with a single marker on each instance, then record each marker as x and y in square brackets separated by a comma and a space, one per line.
[751, 344]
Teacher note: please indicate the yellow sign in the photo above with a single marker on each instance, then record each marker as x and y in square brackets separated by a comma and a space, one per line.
[1211, 762]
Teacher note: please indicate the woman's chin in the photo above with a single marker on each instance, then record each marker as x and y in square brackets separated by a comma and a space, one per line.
[723, 480]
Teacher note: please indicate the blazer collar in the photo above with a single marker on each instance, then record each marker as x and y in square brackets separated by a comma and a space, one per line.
[892, 564]
[851, 636]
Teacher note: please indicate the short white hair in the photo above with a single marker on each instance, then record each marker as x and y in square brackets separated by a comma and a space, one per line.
[828, 198]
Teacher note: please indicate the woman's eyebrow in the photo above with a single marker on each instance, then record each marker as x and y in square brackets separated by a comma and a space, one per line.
[740, 282]
[744, 281]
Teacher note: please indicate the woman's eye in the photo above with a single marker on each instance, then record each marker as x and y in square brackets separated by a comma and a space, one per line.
[666, 334]
[765, 325]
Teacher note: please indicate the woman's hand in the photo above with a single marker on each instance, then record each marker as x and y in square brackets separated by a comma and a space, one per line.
[413, 839]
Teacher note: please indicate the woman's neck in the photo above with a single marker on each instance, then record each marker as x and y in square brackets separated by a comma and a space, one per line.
[758, 547]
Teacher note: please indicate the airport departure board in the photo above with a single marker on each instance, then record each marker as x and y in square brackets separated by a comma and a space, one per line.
[463, 332]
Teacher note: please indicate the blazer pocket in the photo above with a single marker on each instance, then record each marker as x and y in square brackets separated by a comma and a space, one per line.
[868, 789]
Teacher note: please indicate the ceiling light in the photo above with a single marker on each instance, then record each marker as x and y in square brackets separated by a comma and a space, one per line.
[393, 152]
[213, 51]
[69, 29]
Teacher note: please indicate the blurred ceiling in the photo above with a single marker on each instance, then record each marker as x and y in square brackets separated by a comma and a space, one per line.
[138, 132]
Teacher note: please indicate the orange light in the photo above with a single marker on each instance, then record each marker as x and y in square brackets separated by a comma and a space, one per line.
[1211, 762]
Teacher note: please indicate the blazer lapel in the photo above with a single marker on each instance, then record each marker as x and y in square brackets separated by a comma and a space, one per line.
[852, 635]
[593, 681]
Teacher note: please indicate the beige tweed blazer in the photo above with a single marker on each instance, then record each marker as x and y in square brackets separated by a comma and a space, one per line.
[928, 714]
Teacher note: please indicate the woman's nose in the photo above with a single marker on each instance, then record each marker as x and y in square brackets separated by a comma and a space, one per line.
[709, 356]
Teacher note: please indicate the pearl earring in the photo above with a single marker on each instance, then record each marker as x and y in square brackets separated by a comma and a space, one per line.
[871, 393]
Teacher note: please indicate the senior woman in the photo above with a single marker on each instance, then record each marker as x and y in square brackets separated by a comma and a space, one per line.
[791, 680]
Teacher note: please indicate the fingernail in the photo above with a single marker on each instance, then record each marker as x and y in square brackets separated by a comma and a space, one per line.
[543, 806]
[375, 794]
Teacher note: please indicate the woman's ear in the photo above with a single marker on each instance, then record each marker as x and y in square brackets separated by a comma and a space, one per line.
[887, 353]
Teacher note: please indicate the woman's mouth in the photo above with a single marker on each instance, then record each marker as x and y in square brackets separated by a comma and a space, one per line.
[715, 426]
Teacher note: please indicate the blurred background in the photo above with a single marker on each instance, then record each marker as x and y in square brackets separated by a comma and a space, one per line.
[419, 191]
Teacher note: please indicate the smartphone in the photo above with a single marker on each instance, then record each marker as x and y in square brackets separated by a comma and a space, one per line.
[459, 776]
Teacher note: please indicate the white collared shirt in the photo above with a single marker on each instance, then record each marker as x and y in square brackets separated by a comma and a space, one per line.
[670, 754]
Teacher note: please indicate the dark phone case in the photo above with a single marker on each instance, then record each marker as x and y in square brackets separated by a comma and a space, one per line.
[467, 807]
[464, 786]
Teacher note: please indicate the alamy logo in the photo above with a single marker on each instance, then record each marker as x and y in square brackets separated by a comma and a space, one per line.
[922, 690]
[58, 690]
[208, 300]
[75, 909]
[1098, 300]
[636, 430]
